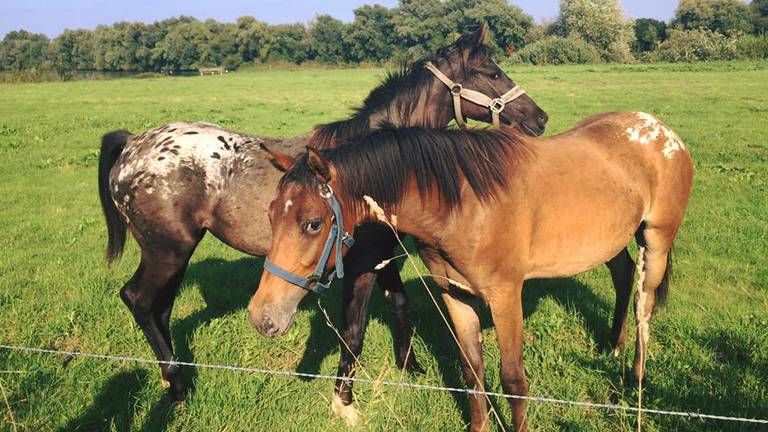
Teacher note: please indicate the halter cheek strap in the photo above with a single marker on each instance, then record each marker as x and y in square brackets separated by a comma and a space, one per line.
[336, 237]
[496, 106]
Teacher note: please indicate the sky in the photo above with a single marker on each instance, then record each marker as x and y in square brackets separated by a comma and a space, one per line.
[53, 16]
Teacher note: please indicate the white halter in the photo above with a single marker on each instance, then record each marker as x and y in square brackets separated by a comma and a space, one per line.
[458, 92]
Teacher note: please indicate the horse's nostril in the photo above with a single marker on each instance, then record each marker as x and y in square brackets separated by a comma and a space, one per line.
[268, 327]
[543, 119]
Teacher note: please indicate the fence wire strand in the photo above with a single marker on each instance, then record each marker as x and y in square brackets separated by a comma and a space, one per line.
[287, 373]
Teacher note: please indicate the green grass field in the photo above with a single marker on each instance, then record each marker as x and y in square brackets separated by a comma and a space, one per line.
[709, 350]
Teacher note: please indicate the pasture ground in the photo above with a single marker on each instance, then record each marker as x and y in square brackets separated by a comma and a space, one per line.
[709, 350]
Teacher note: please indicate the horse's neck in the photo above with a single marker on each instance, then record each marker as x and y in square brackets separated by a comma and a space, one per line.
[414, 215]
[430, 109]
[426, 111]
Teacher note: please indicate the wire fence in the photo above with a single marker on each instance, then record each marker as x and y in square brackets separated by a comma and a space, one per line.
[414, 386]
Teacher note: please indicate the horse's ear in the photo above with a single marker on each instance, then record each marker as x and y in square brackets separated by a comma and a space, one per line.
[324, 171]
[479, 39]
[474, 47]
[281, 161]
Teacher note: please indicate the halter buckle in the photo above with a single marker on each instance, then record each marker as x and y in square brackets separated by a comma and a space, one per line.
[497, 105]
[456, 89]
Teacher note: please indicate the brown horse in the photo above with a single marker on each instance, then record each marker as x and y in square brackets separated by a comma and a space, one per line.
[491, 209]
[170, 185]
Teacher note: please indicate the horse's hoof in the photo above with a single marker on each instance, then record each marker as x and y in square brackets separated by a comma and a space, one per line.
[348, 413]
[616, 352]
[177, 393]
[179, 406]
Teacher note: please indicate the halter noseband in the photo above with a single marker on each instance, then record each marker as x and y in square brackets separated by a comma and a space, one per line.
[336, 237]
[458, 92]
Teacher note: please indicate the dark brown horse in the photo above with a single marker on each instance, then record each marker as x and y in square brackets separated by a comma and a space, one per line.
[170, 185]
[491, 209]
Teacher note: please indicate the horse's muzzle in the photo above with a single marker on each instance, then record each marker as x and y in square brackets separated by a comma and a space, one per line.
[270, 321]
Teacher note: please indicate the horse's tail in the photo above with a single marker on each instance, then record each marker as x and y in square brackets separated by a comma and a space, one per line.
[112, 144]
[662, 292]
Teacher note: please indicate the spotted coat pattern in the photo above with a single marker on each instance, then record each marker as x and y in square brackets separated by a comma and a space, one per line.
[200, 171]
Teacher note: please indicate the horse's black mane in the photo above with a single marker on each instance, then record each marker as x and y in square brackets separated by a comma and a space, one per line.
[404, 83]
[381, 164]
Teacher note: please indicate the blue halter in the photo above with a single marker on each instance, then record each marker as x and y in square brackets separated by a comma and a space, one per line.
[336, 237]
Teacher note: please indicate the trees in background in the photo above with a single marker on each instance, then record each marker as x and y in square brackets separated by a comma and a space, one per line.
[421, 27]
[250, 37]
[378, 34]
[600, 23]
[327, 33]
[287, 43]
[728, 17]
[584, 31]
[649, 33]
[371, 36]
[510, 26]
[72, 50]
[22, 50]
[759, 10]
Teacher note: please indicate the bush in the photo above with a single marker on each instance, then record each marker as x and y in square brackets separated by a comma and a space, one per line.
[558, 50]
[147, 75]
[696, 45]
[618, 52]
[600, 23]
[753, 47]
[31, 75]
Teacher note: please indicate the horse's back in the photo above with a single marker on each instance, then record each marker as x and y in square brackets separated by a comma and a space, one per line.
[664, 159]
[602, 179]
[173, 180]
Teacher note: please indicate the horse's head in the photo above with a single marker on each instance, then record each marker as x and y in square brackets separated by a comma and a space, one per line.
[460, 81]
[309, 237]
[468, 71]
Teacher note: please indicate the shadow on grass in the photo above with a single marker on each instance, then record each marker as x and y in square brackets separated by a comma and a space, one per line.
[114, 406]
[226, 287]
[730, 382]
[570, 293]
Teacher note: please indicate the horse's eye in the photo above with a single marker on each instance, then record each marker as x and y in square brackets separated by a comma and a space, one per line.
[495, 76]
[312, 226]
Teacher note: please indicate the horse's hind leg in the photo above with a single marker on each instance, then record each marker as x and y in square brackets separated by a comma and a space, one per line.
[394, 292]
[162, 313]
[622, 273]
[657, 244]
[149, 295]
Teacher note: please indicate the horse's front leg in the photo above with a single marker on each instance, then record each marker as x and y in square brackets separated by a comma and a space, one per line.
[507, 309]
[394, 291]
[357, 293]
[467, 327]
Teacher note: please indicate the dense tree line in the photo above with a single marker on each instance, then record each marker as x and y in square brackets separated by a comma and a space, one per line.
[377, 34]
[585, 30]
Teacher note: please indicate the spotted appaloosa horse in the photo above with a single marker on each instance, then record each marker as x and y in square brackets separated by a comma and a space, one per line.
[170, 185]
[491, 209]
